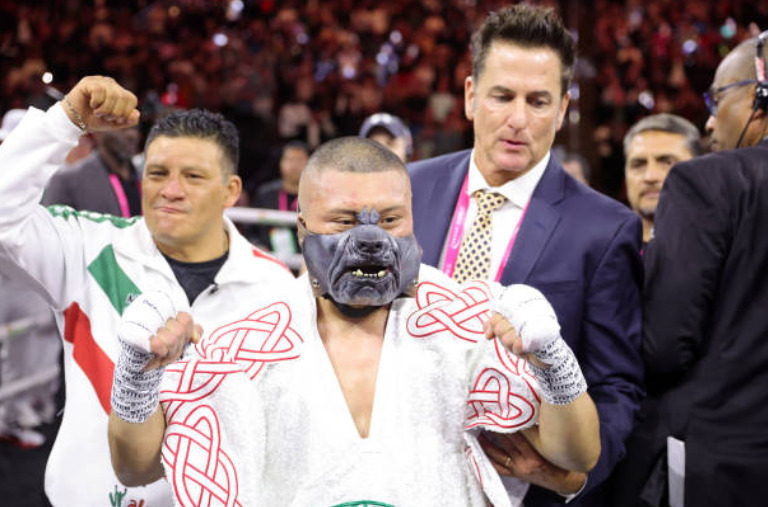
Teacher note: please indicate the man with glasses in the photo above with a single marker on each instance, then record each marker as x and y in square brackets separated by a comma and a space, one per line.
[712, 98]
[705, 325]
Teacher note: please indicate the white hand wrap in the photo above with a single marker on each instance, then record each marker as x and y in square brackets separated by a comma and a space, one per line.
[536, 324]
[135, 393]
[143, 317]
[530, 314]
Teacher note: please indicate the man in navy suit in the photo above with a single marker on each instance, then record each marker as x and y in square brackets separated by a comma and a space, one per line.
[581, 249]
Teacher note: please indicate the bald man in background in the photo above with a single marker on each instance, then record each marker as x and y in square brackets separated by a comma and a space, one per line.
[704, 328]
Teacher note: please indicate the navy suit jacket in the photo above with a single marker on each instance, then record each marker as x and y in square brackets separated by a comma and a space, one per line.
[581, 249]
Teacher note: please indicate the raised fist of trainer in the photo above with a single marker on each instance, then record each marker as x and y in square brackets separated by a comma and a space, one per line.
[99, 103]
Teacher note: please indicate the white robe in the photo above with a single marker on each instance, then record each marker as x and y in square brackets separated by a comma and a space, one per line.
[256, 416]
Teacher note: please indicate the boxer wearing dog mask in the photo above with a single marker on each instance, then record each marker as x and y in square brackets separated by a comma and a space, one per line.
[362, 268]
[348, 343]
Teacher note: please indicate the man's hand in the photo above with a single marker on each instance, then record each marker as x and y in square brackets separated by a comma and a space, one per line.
[101, 104]
[151, 334]
[512, 455]
[498, 326]
[529, 314]
[525, 322]
[169, 342]
[152, 325]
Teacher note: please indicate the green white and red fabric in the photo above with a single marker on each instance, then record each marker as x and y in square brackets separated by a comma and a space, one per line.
[89, 266]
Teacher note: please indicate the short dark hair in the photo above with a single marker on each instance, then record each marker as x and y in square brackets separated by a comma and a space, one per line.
[355, 155]
[201, 124]
[530, 27]
[297, 145]
[670, 123]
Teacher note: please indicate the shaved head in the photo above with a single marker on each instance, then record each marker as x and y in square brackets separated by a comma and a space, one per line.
[354, 155]
[356, 225]
[737, 121]
[743, 59]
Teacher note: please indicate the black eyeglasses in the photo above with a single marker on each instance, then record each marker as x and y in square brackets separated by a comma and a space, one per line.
[711, 97]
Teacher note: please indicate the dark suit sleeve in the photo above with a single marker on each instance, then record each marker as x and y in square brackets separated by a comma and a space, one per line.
[57, 192]
[683, 264]
[610, 352]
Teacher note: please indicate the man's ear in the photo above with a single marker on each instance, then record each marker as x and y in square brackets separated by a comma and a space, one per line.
[563, 109]
[301, 229]
[758, 125]
[469, 98]
[234, 188]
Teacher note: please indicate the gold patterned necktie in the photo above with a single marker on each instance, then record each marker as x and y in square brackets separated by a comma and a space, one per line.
[474, 259]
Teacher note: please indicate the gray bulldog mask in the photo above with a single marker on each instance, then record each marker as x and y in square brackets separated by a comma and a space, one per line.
[364, 267]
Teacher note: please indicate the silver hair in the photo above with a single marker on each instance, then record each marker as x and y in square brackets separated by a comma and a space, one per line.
[670, 123]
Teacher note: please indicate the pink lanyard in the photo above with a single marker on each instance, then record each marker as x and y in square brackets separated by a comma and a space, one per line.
[282, 201]
[122, 200]
[457, 234]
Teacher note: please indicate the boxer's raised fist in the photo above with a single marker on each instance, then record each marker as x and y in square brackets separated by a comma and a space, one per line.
[99, 103]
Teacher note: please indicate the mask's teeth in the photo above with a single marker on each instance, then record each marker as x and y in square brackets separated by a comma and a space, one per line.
[359, 273]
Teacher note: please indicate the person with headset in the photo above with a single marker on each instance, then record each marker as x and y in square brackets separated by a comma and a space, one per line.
[705, 325]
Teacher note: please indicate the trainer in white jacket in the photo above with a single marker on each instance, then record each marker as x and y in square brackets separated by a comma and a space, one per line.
[89, 266]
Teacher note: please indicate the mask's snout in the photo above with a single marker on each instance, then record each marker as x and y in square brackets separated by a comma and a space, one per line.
[370, 241]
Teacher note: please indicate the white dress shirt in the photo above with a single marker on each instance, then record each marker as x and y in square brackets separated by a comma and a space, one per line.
[505, 219]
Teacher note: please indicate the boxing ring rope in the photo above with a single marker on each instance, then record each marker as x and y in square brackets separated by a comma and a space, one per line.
[29, 382]
[9, 330]
[15, 328]
[24, 324]
[259, 216]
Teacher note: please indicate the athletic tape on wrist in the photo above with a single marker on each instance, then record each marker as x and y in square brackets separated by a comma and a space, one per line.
[562, 382]
[135, 393]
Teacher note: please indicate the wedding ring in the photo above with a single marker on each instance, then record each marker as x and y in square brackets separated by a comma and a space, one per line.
[506, 462]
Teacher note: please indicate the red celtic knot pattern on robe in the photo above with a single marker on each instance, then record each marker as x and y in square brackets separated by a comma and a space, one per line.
[202, 471]
[440, 309]
[203, 474]
[263, 337]
[518, 367]
[197, 380]
[502, 395]
[494, 402]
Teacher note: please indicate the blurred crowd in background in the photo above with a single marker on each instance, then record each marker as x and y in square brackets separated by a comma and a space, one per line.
[314, 70]
[293, 74]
